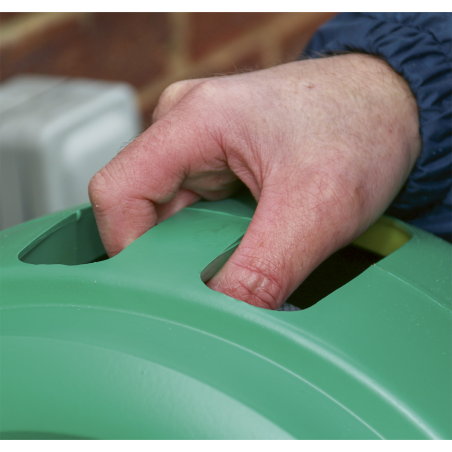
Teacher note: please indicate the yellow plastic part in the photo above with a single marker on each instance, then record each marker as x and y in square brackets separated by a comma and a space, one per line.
[384, 237]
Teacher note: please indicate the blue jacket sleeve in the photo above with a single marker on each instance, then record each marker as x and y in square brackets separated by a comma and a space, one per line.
[418, 47]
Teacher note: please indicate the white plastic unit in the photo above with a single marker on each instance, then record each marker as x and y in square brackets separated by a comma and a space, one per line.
[55, 133]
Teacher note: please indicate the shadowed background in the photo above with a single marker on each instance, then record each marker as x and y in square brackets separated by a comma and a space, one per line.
[150, 50]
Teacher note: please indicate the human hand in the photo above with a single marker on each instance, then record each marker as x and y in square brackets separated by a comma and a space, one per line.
[323, 145]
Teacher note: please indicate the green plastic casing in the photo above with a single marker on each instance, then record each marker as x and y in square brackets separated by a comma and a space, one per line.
[138, 347]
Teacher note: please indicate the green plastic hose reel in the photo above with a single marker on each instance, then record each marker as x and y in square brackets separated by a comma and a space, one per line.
[138, 347]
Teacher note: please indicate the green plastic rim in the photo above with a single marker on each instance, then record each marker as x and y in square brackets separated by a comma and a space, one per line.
[137, 347]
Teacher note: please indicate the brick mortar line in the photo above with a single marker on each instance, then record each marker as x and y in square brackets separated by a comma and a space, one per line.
[238, 48]
[17, 28]
[179, 23]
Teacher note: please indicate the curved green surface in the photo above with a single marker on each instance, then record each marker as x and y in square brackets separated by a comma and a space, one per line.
[138, 347]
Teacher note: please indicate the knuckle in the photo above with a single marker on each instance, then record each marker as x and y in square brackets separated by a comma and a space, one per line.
[207, 91]
[170, 91]
[171, 96]
[189, 101]
[97, 185]
[175, 87]
[100, 190]
[166, 100]
[256, 286]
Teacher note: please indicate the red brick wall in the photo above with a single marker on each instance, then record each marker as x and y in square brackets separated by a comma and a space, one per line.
[150, 50]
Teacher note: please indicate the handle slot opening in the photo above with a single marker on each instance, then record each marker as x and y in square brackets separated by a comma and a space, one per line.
[73, 241]
[380, 240]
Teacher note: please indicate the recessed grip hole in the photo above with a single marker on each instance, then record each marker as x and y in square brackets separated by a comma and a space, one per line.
[73, 241]
[380, 240]
[339, 269]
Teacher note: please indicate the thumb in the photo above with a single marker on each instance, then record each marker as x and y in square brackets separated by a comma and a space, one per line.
[278, 251]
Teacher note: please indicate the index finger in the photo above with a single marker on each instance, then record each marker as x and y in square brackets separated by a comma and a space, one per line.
[125, 192]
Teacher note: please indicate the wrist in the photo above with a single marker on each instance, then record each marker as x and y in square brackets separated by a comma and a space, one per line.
[376, 82]
[373, 105]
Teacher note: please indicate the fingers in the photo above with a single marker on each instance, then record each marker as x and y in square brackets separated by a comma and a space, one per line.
[170, 166]
[183, 198]
[214, 185]
[128, 194]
